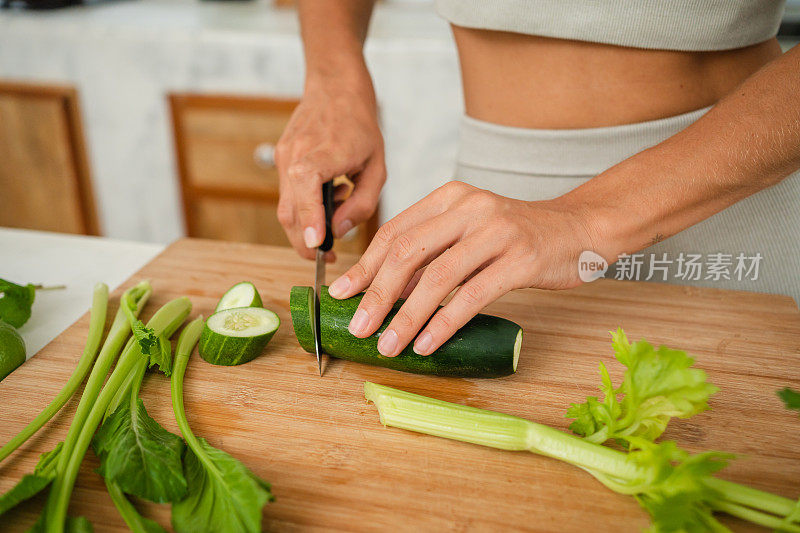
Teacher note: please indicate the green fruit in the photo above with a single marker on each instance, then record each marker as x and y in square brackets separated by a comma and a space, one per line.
[242, 294]
[486, 347]
[12, 349]
[236, 336]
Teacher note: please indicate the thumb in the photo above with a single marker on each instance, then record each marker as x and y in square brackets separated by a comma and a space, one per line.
[364, 200]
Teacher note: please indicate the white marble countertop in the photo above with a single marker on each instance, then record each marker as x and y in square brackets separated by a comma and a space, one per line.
[77, 262]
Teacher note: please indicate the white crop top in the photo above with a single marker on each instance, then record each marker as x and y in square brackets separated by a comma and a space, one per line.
[690, 25]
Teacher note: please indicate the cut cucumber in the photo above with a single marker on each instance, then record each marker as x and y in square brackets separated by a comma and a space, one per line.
[486, 347]
[236, 336]
[242, 294]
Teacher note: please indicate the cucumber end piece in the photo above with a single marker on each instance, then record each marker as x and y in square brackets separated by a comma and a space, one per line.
[517, 348]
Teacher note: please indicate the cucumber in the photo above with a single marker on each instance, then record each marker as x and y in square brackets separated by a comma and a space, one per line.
[486, 347]
[242, 294]
[236, 336]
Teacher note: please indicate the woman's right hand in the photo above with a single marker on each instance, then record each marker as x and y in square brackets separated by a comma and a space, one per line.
[333, 131]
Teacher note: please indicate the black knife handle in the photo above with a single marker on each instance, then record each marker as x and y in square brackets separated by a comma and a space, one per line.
[327, 202]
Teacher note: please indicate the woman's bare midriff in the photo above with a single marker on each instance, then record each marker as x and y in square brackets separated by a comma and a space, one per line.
[538, 82]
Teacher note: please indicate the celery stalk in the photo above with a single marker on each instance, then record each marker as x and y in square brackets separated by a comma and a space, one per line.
[167, 319]
[96, 324]
[186, 343]
[497, 430]
[750, 497]
[756, 517]
[135, 522]
[120, 330]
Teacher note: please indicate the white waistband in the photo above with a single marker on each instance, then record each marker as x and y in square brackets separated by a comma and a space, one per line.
[579, 152]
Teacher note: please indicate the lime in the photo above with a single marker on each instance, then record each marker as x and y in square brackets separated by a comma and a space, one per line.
[12, 349]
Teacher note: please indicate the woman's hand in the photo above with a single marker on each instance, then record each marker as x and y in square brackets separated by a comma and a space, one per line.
[333, 131]
[460, 235]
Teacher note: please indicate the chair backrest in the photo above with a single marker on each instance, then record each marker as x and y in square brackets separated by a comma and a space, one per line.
[44, 170]
[229, 184]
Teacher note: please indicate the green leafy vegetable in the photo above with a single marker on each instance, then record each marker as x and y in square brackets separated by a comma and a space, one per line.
[97, 322]
[139, 455]
[224, 495]
[79, 524]
[147, 338]
[72, 524]
[677, 489]
[32, 484]
[16, 302]
[791, 398]
[135, 521]
[675, 493]
[659, 383]
[162, 356]
[91, 412]
[148, 341]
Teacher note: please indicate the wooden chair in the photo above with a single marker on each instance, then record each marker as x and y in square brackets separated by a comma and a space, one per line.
[229, 183]
[44, 171]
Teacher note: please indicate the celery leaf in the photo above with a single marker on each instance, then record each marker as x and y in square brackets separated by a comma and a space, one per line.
[675, 495]
[658, 384]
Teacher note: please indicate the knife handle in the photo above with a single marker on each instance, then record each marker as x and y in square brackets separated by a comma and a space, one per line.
[327, 202]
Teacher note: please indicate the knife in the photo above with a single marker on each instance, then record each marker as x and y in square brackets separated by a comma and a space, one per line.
[319, 278]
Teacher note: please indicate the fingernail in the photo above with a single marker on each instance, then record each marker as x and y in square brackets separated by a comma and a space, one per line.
[339, 287]
[387, 343]
[311, 237]
[343, 227]
[423, 344]
[359, 322]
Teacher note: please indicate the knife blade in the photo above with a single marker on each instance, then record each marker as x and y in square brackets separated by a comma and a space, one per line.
[319, 278]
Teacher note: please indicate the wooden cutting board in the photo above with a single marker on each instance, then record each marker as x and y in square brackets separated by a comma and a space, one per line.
[334, 467]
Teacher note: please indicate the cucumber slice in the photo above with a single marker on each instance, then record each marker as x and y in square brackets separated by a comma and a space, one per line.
[235, 336]
[242, 294]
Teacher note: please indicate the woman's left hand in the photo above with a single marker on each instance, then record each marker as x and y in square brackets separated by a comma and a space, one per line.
[459, 235]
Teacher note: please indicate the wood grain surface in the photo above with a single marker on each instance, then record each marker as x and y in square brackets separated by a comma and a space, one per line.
[44, 167]
[334, 467]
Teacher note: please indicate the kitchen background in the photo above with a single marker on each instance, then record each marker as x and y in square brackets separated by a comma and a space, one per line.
[147, 120]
